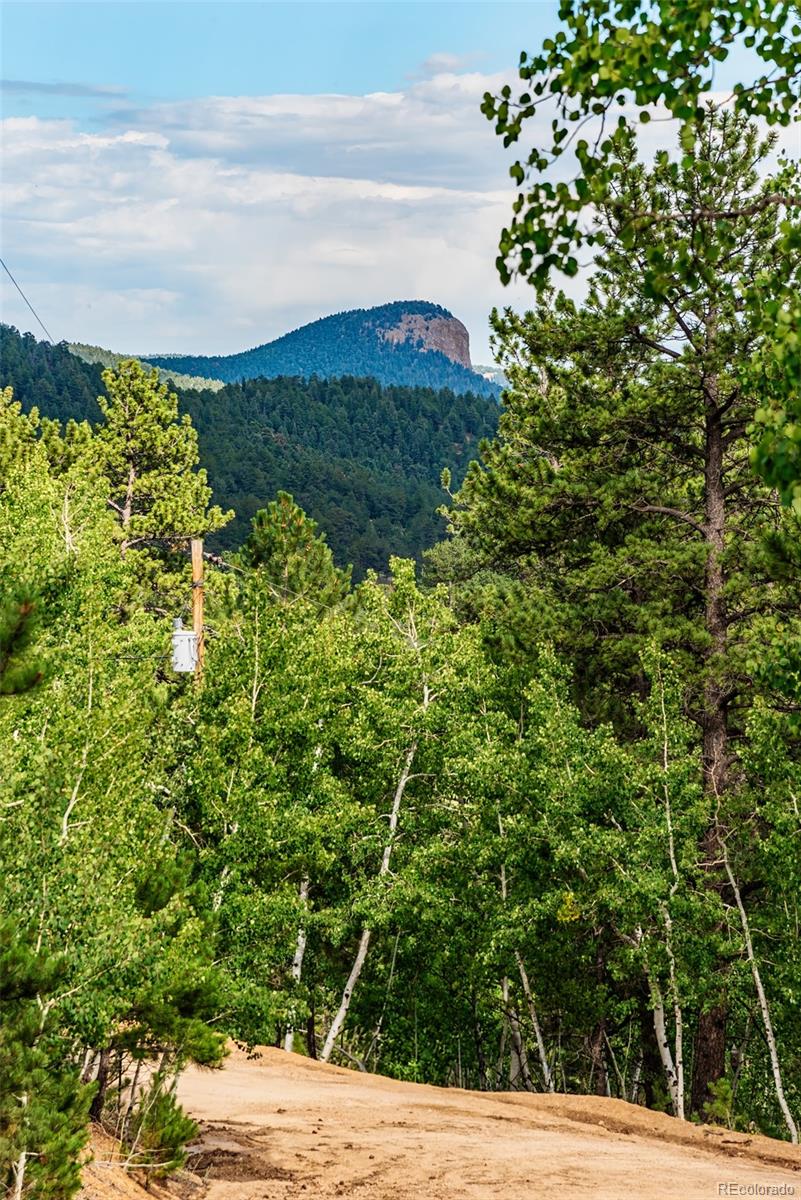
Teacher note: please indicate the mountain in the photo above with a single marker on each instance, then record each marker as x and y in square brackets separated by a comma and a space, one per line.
[363, 460]
[107, 358]
[493, 373]
[410, 342]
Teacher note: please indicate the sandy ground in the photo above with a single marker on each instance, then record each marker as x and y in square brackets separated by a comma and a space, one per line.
[105, 1177]
[280, 1127]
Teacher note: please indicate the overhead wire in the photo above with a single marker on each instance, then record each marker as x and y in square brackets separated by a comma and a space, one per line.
[27, 301]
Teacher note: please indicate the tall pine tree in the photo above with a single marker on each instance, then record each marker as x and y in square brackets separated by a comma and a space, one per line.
[149, 455]
[621, 481]
[289, 552]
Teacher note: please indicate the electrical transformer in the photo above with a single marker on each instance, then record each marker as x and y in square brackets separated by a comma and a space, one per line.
[184, 647]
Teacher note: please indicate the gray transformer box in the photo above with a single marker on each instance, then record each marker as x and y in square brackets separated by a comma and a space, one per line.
[184, 648]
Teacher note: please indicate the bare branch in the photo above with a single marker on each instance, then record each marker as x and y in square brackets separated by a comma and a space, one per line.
[676, 513]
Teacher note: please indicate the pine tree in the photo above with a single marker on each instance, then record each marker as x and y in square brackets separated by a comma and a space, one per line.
[289, 553]
[621, 480]
[149, 455]
[43, 1105]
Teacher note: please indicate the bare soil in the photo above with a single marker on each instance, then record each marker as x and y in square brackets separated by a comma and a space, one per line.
[281, 1127]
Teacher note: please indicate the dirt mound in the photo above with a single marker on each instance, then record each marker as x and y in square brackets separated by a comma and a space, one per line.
[106, 1175]
[280, 1127]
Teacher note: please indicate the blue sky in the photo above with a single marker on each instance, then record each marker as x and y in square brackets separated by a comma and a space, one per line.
[184, 48]
[203, 177]
[174, 79]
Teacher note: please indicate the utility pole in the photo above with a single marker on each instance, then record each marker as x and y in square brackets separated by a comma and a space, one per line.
[197, 605]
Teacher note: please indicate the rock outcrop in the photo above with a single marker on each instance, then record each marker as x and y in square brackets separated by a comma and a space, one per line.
[445, 334]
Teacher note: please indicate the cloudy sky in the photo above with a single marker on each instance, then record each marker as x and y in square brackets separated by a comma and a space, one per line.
[203, 177]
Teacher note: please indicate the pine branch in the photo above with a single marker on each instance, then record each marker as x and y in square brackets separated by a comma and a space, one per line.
[676, 513]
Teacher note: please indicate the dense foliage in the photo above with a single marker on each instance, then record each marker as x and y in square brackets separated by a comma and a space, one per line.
[111, 954]
[379, 831]
[362, 460]
[49, 377]
[608, 58]
[348, 343]
[620, 488]
[614, 65]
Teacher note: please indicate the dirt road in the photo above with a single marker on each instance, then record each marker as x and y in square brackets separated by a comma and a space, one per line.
[281, 1127]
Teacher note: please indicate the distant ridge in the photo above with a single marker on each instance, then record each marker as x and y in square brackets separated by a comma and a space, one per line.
[412, 343]
[109, 358]
[494, 373]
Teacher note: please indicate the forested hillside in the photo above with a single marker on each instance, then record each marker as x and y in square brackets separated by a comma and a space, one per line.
[49, 377]
[363, 342]
[107, 358]
[363, 460]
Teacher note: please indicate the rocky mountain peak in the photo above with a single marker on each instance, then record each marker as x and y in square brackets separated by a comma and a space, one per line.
[432, 332]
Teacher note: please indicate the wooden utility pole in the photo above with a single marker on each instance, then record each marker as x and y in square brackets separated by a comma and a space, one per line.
[197, 604]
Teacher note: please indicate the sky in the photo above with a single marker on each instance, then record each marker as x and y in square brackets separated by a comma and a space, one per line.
[203, 177]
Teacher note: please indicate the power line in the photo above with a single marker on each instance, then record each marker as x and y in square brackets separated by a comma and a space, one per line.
[27, 301]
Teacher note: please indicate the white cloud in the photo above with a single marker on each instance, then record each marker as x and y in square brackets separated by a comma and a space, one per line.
[210, 225]
[430, 133]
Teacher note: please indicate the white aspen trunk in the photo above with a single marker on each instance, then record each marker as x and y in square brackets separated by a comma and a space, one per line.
[518, 1065]
[364, 942]
[677, 1017]
[344, 1005]
[664, 1046]
[396, 805]
[19, 1175]
[679, 1043]
[88, 1060]
[547, 1074]
[297, 960]
[19, 1166]
[678, 1104]
[763, 1005]
[303, 893]
[65, 820]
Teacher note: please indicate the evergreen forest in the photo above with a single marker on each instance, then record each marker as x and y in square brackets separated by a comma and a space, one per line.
[364, 460]
[523, 816]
